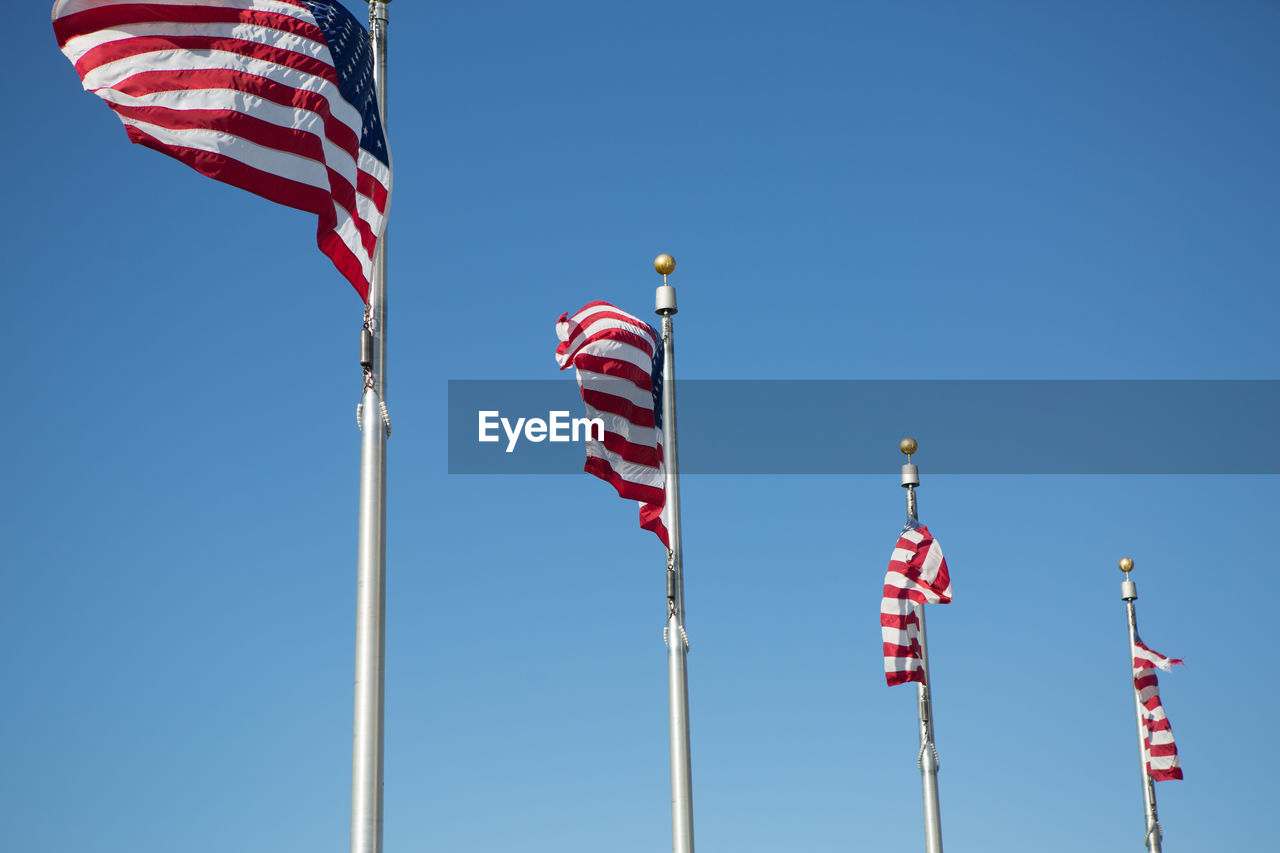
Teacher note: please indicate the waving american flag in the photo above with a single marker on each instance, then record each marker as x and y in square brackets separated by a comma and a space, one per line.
[273, 96]
[619, 365]
[1158, 748]
[917, 574]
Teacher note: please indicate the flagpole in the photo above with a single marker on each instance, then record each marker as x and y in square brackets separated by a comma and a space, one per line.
[371, 552]
[677, 640]
[928, 756]
[1129, 593]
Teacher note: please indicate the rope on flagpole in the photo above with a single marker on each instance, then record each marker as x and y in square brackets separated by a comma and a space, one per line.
[386, 417]
[937, 763]
[666, 638]
[368, 337]
[368, 342]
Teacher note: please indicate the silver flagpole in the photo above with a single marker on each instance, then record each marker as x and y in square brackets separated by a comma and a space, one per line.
[677, 640]
[371, 550]
[927, 759]
[1129, 592]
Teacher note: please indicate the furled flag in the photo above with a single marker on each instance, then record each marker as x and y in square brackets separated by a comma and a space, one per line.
[273, 96]
[917, 574]
[1157, 743]
[619, 365]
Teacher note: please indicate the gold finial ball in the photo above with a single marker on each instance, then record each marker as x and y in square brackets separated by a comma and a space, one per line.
[907, 446]
[664, 264]
[1126, 565]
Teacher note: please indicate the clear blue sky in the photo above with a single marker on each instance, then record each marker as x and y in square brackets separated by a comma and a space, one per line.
[852, 191]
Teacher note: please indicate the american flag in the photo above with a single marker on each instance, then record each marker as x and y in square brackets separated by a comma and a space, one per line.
[1158, 748]
[273, 96]
[917, 574]
[619, 365]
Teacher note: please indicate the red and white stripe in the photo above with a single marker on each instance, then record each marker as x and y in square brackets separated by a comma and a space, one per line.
[245, 92]
[1160, 752]
[917, 575]
[614, 354]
